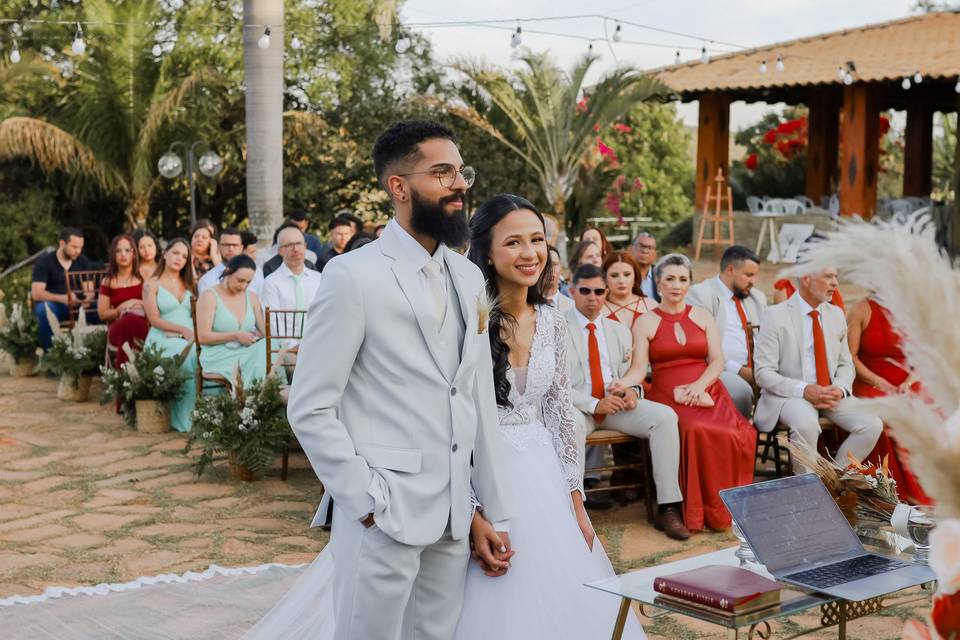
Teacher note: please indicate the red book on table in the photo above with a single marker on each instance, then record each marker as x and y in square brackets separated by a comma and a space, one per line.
[723, 587]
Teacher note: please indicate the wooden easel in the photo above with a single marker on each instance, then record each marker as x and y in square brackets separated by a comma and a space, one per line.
[715, 212]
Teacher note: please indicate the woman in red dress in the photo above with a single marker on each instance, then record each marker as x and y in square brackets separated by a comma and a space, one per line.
[683, 344]
[120, 303]
[625, 300]
[882, 370]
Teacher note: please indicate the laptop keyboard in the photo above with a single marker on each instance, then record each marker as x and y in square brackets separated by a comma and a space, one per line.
[846, 571]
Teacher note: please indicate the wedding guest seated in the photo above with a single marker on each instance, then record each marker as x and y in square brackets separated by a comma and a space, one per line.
[358, 240]
[599, 352]
[148, 250]
[230, 245]
[120, 303]
[48, 287]
[882, 369]
[203, 245]
[737, 307]
[682, 343]
[803, 366]
[166, 301]
[271, 265]
[594, 234]
[299, 218]
[249, 240]
[586, 252]
[230, 325]
[783, 289]
[626, 301]
[644, 250]
[292, 286]
[342, 229]
[552, 280]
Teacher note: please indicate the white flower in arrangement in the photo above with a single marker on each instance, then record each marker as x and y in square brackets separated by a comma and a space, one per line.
[158, 371]
[206, 434]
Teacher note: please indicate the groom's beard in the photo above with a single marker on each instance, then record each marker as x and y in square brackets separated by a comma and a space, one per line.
[429, 218]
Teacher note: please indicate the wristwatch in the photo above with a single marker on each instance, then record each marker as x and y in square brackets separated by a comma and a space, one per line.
[639, 391]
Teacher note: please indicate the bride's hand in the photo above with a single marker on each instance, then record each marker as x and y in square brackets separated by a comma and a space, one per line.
[490, 548]
[583, 520]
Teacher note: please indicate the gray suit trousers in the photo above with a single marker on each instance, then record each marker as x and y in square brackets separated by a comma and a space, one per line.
[803, 421]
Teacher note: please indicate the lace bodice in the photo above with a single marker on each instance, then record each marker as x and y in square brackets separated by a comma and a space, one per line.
[544, 410]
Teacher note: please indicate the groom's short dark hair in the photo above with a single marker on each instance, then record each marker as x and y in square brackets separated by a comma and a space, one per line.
[399, 142]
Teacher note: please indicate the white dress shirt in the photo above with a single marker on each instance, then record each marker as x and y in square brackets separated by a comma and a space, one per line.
[279, 290]
[212, 278]
[605, 369]
[735, 352]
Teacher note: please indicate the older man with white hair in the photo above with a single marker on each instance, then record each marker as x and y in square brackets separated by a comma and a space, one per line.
[292, 285]
[803, 366]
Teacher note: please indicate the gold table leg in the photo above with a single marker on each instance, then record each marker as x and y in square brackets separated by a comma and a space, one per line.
[621, 619]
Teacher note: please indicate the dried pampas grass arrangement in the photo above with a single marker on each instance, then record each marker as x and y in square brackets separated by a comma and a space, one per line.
[907, 273]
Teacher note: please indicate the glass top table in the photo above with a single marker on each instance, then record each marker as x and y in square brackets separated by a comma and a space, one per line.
[637, 586]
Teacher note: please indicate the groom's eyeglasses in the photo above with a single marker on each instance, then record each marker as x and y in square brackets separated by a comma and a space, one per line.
[585, 291]
[447, 174]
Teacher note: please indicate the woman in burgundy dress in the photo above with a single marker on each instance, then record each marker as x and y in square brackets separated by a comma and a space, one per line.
[120, 303]
[882, 370]
[683, 344]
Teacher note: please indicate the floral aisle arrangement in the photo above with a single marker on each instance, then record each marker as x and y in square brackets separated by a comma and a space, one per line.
[75, 355]
[249, 425]
[144, 384]
[18, 337]
[889, 259]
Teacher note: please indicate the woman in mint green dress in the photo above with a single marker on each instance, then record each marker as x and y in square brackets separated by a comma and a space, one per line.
[230, 325]
[166, 300]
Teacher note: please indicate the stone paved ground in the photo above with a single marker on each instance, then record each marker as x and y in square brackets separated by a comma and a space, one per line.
[83, 500]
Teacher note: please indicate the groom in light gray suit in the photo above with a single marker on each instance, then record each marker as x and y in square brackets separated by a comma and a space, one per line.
[393, 403]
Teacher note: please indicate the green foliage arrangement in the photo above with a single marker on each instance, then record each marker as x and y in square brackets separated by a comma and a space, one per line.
[146, 375]
[18, 332]
[76, 353]
[248, 424]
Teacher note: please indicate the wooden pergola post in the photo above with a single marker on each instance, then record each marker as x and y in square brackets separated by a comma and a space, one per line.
[713, 142]
[859, 151]
[918, 150]
[823, 126]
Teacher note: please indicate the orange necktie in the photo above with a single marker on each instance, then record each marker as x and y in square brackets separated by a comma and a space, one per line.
[596, 373]
[746, 329]
[820, 351]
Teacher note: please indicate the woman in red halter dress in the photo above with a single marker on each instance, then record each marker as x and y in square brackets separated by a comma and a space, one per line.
[625, 300]
[882, 370]
[683, 345]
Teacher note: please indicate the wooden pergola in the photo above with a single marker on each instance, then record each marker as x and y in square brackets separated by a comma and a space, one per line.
[878, 58]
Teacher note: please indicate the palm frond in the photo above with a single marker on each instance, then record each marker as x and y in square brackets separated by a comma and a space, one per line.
[55, 150]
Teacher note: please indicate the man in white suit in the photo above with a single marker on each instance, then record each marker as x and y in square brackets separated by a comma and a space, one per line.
[804, 369]
[737, 306]
[393, 403]
[604, 348]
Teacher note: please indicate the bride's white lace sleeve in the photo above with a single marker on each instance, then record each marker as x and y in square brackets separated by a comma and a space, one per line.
[558, 410]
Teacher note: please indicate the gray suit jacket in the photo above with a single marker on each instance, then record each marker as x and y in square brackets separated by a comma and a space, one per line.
[778, 356]
[385, 430]
[711, 296]
[619, 350]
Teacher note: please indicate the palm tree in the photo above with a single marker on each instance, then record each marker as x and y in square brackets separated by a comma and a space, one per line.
[110, 117]
[553, 115]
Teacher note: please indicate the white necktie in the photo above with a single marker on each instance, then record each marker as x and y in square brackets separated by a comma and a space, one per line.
[436, 291]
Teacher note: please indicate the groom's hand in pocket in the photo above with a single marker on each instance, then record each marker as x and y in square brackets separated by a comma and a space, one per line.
[491, 549]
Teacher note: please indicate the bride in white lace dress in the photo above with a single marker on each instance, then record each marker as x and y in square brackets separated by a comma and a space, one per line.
[542, 596]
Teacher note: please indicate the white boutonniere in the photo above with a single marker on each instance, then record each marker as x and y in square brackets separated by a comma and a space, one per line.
[486, 307]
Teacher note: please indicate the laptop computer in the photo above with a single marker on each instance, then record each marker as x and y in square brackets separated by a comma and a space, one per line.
[799, 534]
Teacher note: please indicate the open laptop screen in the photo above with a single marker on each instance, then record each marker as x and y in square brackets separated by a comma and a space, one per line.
[790, 522]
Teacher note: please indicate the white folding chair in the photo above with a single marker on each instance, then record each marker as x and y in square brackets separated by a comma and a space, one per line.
[754, 204]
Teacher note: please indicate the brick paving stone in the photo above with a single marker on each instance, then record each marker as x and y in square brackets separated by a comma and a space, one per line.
[103, 521]
[78, 541]
[150, 461]
[8, 511]
[130, 479]
[174, 444]
[242, 549]
[221, 503]
[40, 463]
[11, 561]
[63, 497]
[198, 490]
[298, 541]
[295, 558]
[32, 534]
[22, 523]
[122, 548]
[282, 506]
[153, 563]
[133, 508]
[7, 475]
[169, 479]
[98, 460]
[176, 529]
[264, 524]
[44, 485]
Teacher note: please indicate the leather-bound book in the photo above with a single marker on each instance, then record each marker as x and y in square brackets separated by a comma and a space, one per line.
[720, 587]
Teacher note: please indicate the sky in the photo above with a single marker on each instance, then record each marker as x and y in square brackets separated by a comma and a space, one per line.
[742, 22]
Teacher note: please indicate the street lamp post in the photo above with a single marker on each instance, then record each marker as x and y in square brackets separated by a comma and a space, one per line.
[170, 166]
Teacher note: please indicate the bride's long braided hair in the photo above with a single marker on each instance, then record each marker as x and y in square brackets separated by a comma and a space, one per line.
[484, 219]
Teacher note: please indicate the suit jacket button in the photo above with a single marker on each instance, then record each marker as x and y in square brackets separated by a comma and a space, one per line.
[455, 447]
[453, 391]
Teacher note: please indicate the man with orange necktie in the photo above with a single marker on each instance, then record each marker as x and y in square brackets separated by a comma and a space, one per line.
[598, 351]
[737, 306]
[804, 369]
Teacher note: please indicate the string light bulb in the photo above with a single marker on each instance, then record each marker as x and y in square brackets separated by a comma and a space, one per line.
[676, 58]
[617, 34]
[157, 51]
[295, 43]
[763, 66]
[517, 38]
[779, 66]
[704, 56]
[917, 77]
[956, 87]
[905, 84]
[848, 78]
[15, 53]
[264, 41]
[403, 44]
[78, 46]
[841, 72]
